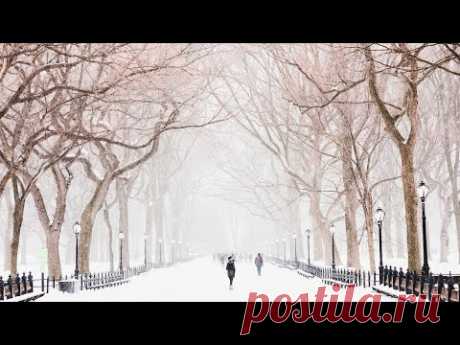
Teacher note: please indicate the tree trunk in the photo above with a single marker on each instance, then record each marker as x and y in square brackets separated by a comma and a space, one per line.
[52, 229]
[18, 217]
[23, 247]
[148, 231]
[54, 259]
[405, 146]
[387, 224]
[319, 242]
[410, 205]
[8, 232]
[123, 219]
[369, 221]
[452, 168]
[160, 252]
[294, 210]
[87, 221]
[453, 183]
[353, 259]
[444, 240]
[110, 237]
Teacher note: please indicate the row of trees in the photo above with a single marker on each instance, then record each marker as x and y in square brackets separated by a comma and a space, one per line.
[327, 130]
[92, 116]
[349, 126]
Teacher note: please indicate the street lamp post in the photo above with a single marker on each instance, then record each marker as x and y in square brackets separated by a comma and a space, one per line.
[422, 193]
[284, 249]
[173, 247]
[180, 250]
[379, 214]
[308, 244]
[145, 249]
[121, 236]
[76, 231]
[333, 246]
[295, 248]
[160, 242]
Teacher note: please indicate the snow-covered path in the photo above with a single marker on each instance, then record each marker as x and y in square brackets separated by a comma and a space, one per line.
[204, 280]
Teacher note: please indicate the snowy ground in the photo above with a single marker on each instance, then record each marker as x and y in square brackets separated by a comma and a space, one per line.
[205, 280]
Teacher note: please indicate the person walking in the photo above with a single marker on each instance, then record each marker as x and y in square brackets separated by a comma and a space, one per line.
[259, 261]
[230, 270]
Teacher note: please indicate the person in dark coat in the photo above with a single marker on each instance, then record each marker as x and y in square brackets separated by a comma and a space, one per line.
[259, 263]
[230, 270]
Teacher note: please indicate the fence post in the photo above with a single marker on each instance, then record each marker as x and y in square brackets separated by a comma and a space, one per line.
[31, 281]
[400, 275]
[407, 281]
[43, 282]
[10, 286]
[395, 275]
[440, 284]
[430, 285]
[450, 286]
[18, 284]
[390, 277]
[24, 282]
[1, 289]
[47, 284]
[422, 283]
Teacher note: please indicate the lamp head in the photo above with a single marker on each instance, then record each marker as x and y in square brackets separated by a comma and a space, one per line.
[76, 228]
[379, 214]
[422, 190]
[332, 229]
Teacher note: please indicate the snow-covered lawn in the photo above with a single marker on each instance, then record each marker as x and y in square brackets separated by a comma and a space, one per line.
[205, 280]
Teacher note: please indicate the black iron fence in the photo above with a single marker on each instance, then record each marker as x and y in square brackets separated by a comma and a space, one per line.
[23, 285]
[16, 286]
[389, 281]
[446, 286]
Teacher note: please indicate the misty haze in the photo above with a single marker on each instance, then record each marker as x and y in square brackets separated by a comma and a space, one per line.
[158, 172]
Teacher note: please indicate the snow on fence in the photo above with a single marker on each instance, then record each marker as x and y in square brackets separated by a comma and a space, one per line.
[389, 280]
[12, 288]
[22, 288]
